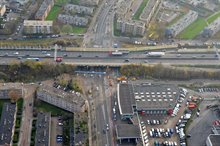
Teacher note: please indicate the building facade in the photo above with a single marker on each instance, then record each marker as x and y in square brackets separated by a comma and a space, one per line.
[38, 27]
[180, 25]
[146, 99]
[2, 10]
[60, 99]
[73, 20]
[44, 9]
[136, 28]
[79, 9]
[212, 28]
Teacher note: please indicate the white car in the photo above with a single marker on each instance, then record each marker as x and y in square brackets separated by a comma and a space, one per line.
[16, 53]
[48, 55]
[107, 127]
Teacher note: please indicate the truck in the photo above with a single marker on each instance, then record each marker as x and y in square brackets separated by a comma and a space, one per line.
[155, 54]
[115, 53]
[59, 59]
[34, 59]
[122, 78]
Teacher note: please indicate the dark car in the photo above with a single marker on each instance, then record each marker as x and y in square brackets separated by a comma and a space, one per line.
[65, 55]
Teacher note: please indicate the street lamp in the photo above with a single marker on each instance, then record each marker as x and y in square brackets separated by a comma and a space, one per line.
[55, 52]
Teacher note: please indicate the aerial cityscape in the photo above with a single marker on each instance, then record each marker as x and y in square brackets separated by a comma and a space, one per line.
[109, 73]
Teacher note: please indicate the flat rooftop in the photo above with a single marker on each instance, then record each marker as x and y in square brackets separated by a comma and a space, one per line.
[127, 131]
[155, 96]
[42, 137]
[69, 97]
[215, 139]
[126, 98]
[7, 123]
[146, 97]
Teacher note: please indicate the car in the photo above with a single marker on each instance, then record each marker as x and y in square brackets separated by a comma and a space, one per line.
[20, 58]
[6, 54]
[27, 55]
[103, 131]
[188, 135]
[48, 55]
[59, 136]
[145, 61]
[96, 56]
[79, 55]
[16, 53]
[126, 60]
[107, 127]
[44, 52]
[60, 124]
[65, 55]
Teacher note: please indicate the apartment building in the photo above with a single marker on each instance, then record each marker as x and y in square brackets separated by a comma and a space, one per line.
[73, 20]
[79, 9]
[149, 10]
[61, 99]
[7, 123]
[136, 28]
[180, 25]
[42, 136]
[212, 28]
[44, 9]
[89, 2]
[38, 27]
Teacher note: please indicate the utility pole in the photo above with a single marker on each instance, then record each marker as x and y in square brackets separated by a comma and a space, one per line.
[55, 52]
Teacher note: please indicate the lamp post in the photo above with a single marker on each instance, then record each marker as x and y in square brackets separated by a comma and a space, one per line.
[55, 52]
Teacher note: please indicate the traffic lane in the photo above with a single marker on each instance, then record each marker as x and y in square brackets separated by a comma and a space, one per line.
[103, 55]
[101, 126]
[136, 61]
[117, 61]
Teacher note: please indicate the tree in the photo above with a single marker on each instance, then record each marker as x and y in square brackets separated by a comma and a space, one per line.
[56, 29]
[13, 95]
[67, 28]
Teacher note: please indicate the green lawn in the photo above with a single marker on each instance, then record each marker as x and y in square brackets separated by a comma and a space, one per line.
[46, 107]
[61, 2]
[116, 32]
[78, 30]
[193, 30]
[212, 18]
[53, 13]
[140, 10]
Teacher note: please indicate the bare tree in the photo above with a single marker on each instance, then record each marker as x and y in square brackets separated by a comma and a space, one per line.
[14, 95]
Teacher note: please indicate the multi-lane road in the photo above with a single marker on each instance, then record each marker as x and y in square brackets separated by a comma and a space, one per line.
[95, 58]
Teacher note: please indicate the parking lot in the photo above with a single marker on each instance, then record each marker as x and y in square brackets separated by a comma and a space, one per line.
[160, 128]
[201, 126]
[56, 129]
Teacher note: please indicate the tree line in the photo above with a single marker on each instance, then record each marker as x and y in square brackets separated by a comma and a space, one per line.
[161, 72]
[32, 71]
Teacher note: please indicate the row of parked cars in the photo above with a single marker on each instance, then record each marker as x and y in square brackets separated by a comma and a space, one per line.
[180, 126]
[144, 134]
[165, 143]
[154, 122]
[161, 132]
[208, 90]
